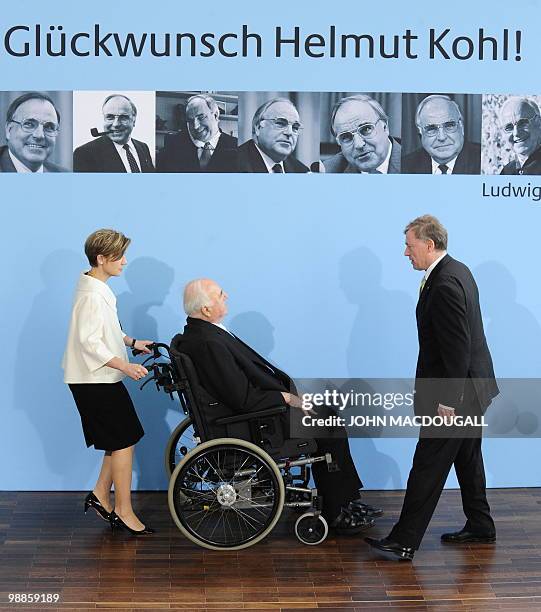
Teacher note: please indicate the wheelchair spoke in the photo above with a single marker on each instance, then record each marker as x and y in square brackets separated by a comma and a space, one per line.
[247, 518]
[217, 504]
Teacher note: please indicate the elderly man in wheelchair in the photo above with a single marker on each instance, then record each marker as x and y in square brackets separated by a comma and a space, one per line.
[229, 490]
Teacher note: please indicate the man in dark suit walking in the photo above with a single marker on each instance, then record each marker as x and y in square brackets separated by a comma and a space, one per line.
[241, 380]
[116, 150]
[444, 150]
[276, 128]
[454, 377]
[203, 147]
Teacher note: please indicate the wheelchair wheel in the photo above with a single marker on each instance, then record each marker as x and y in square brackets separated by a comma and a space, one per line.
[180, 443]
[226, 494]
[311, 529]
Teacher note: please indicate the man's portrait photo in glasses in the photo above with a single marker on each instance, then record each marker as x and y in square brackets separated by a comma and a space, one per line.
[276, 139]
[512, 129]
[360, 128]
[448, 129]
[31, 134]
[110, 119]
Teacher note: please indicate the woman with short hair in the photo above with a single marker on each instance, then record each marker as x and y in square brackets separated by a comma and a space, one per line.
[95, 362]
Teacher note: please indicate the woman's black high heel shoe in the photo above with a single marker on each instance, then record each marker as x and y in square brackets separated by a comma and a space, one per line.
[118, 523]
[91, 501]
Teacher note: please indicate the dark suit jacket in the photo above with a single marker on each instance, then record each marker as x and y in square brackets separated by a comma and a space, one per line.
[180, 155]
[6, 165]
[100, 155]
[338, 163]
[233, 373]
[531, 166]
[250, 160]
[453, 351]
[467, 162]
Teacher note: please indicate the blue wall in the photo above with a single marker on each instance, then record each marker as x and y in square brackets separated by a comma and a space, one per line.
[316, 260]
[317, 282]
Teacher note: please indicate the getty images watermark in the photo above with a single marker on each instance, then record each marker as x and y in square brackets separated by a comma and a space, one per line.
[339, 401]
[403, 408]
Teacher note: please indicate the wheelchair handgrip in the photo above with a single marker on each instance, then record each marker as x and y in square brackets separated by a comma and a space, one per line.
[248, 416]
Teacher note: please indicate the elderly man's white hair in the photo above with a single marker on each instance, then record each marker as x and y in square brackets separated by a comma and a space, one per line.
[517, 101]
[196, 295]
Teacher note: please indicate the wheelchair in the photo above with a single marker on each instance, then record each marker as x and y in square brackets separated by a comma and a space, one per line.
[231, 475]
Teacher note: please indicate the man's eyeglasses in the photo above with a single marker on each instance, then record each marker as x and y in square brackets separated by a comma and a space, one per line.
[281, 123]
[122, 118]
[432, 129]
[31, 125]
[365, 130]
[521, 125]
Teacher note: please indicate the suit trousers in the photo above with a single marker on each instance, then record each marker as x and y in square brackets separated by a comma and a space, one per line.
[431, 465]
[337, 488]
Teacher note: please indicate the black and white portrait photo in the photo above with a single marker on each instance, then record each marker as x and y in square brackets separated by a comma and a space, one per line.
[511, 134]
[360, 133]
[196, 131]
[441, 133]
[278, 131]
[37, 131]
[113, 131]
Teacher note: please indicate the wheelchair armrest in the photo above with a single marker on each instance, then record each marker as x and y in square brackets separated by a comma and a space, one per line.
[248, 416]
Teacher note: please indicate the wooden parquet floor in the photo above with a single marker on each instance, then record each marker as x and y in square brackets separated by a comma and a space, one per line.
[47, 545]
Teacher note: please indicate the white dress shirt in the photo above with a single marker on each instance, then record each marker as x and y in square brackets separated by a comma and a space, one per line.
[20, 167]
[124, 156]
[94, 336]
[433, 265]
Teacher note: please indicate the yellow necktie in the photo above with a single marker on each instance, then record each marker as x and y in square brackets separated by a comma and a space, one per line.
[423, 282]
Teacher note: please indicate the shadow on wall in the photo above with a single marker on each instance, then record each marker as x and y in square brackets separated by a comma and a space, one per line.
[256, 330]
[379, 345]
[511, 329]
[379, 470]
[39, 388]
[149, 282]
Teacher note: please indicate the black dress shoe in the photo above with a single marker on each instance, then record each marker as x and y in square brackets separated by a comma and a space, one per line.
[118, 523]
[91, 501]
[465, 535]
[402, 553]
[371, 511]
[349, 523]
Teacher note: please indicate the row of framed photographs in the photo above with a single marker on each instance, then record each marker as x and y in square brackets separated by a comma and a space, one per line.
[272, 132]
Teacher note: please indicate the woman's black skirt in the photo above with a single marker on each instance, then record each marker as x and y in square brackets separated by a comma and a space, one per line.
[107, 414]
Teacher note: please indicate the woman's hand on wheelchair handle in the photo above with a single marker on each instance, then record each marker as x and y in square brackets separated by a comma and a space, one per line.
[135, 370]
[142, 346]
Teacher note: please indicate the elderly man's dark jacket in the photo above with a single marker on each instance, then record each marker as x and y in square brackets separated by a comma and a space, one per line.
[180, 155]
[454, 366]
[250, 160]
[531, 166]
[6, 165]
[100, 155]
[232, 372]
[467, 162]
